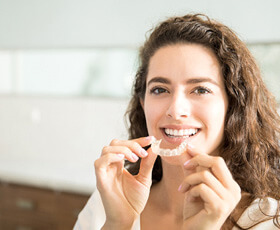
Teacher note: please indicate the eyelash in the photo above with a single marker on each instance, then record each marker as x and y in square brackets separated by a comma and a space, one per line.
[159, 90]
[153, 90]
[205, 89]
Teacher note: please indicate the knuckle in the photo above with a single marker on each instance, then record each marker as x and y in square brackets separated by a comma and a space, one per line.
[202, 187]
[97, 164]
[114, 142]
[236, 190]
[127, 152]
[219, 161]
[205, 175]
[238, 194]
[135, 145]
[100, 162]
[105, 149]
[222, 209]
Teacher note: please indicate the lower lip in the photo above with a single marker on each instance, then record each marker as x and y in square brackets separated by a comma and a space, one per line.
[176, 140]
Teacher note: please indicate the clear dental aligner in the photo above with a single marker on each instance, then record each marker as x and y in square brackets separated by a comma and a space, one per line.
[168, 152]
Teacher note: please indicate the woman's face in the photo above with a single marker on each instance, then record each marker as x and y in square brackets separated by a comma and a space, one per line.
[186, 98]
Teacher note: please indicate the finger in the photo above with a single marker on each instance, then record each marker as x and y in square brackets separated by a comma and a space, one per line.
[135, 145]
[108, 159]
[146, 167]
[129, 155]
[102, 167]
[192, 151]
[217, 166]
[207, 178]
[144, 141]
[212, 202]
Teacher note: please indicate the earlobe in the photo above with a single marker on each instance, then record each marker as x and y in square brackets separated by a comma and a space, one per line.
[142, 103]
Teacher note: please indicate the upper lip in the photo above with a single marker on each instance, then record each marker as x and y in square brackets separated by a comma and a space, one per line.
[178, 127]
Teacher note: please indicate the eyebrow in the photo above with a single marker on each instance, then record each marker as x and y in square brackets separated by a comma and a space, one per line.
[159, 80]
[202, 79]
[189, 81]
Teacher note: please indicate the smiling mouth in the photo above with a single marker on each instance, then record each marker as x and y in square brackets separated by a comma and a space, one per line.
[180, 133]
[180, 137]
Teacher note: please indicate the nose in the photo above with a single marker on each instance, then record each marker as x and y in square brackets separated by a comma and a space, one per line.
[179, 107]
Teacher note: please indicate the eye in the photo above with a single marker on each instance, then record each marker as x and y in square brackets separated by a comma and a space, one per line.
[202, 90]
[158, 90]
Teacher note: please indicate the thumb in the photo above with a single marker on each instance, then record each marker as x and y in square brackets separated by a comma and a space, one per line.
[146, 167]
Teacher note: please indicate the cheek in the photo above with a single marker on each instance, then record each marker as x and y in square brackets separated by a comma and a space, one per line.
[153, 114]
[213, 112]
[150, 117]
[213, 117]
[216, 116]
[217, 125]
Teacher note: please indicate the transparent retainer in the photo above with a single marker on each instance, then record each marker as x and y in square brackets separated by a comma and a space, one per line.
[169, 152]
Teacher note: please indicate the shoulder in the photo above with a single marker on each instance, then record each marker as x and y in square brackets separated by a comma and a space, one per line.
[260, 210]
[92, 217]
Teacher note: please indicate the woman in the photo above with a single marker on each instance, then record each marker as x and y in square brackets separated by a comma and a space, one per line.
[197, 82]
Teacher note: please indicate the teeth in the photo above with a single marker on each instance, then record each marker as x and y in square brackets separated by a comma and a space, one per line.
[168, 152]
[181, 132]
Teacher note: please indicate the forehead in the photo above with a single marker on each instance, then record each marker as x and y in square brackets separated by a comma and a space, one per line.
[185, 60]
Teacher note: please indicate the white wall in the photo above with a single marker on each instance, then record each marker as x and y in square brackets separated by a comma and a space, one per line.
[43, 127]
[95, 23]
[53, 142]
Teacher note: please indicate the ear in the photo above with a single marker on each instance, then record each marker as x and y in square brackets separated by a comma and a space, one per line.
[142, 103]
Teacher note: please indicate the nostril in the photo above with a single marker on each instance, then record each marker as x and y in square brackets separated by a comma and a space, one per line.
[178, 115]
[178, 109]
[185, 115]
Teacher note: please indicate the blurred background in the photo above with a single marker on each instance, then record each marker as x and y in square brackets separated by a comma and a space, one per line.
[66, 70]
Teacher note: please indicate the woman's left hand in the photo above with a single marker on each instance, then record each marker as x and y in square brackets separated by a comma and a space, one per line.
[211, 193]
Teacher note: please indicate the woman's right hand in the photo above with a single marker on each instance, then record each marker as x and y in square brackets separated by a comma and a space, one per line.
[124, 196]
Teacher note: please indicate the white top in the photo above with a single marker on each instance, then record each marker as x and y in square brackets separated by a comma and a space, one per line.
[93, 217]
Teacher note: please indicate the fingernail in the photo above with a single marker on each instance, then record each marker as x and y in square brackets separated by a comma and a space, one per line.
[187, 162]
[151, 138]
[135, 157]
[189, 165]
[144, 152]
[180, 188]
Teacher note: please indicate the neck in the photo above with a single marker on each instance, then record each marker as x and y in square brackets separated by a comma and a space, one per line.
[167, 189]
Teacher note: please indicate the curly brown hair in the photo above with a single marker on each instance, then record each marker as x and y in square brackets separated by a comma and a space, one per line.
[251, 137]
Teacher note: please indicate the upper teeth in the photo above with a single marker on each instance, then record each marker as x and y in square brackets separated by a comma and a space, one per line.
[180, 132]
